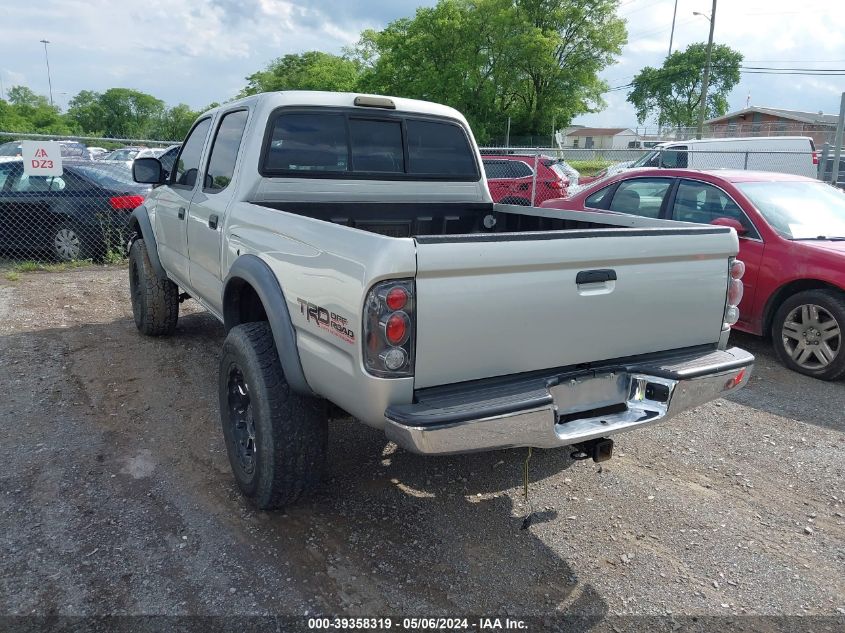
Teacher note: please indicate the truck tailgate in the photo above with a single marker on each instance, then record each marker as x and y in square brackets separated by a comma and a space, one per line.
[499, 304]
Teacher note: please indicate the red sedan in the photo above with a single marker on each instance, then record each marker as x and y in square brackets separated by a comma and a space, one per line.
[510, 178]
[791, 237]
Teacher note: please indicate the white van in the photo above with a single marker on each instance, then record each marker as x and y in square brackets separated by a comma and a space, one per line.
[785, 154]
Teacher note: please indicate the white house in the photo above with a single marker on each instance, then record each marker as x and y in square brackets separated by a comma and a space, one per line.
[599, 137]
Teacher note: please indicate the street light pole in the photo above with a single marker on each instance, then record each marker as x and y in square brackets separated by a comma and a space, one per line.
[706, 80]
[47, 59]
[672, 32]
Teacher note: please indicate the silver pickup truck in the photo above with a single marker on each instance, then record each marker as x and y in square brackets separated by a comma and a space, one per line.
[350, 246]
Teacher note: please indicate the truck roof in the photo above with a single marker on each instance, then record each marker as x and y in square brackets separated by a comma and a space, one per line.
[320, 98]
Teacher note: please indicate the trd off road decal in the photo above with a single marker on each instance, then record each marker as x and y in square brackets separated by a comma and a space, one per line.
[329, 321]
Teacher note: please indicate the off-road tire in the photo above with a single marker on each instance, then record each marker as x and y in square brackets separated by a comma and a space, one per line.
[830, 301]
[288, 431]
[155, 299]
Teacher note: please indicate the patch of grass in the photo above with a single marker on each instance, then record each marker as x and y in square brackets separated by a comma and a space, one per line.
[12, 276]
[33, 266]
[115, 257]
[590, 167]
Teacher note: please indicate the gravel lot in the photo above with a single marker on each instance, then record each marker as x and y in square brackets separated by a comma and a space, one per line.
[116, 496]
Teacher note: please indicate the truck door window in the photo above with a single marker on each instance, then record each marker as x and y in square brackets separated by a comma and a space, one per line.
[674, 157]
[376, 145]
[641, 196]
[188, 163]
[224, 151]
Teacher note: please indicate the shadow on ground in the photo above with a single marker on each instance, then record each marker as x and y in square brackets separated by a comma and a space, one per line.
[776, 389]
[128, 432]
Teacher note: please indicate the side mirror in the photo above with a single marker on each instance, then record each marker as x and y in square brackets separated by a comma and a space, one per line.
[147, 171]
[735, 224]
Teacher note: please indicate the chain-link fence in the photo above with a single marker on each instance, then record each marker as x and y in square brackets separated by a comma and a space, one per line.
[78, 214]
[82, 214]
[530, 175]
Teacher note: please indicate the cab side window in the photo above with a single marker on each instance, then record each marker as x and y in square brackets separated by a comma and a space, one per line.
[224, 151]
[188, 163]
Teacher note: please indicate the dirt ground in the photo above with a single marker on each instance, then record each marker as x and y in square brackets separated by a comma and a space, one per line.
[116, 496]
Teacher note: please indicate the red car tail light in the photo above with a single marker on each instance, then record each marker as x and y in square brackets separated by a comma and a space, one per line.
[815, 157]
[126, 202]
[389, 329]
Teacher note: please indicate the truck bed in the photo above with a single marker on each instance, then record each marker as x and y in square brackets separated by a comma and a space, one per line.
[410, 219]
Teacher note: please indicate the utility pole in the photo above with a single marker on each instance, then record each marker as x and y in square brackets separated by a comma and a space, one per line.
[706, 80]
[837, 142]
[672, 32]
[49, 81]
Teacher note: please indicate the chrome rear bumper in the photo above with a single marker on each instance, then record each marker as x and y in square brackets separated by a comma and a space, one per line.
[546, 411]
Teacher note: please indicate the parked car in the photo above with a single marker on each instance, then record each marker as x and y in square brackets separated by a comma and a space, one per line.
[94, 153]
[73, 150]
[78, 215]
[124, 154]
[12, 148]
[511, 179]
[352, 249]
[783, 154]
[791, 238]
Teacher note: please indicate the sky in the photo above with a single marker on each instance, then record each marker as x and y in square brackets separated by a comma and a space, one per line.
[201, 51]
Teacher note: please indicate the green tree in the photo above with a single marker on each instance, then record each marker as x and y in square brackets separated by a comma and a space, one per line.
[671, 94]
[313, 70]
[27, 111]
[23, 97]
[86, 111]
[174, 123]
[129, 113]
[534, 61]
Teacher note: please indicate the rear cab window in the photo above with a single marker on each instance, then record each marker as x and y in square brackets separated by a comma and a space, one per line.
[327, 143]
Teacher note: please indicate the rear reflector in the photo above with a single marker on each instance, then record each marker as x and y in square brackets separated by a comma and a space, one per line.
[126, 202]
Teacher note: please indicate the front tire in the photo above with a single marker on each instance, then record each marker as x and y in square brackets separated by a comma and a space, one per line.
[808, 333]
[155, 299]
[275, 438]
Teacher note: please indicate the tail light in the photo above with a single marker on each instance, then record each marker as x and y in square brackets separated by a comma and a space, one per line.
[126, 202]
[389, 329]
[815, 157]
[736, 270]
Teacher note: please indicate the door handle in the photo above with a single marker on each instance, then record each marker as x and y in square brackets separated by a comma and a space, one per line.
[181, 213]
[212, 221]
[595, 276]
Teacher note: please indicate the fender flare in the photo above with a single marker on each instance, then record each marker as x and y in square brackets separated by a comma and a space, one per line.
[254, 271]
[140, 222]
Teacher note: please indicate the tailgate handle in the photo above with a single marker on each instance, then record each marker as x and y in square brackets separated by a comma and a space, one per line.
[595, 276]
